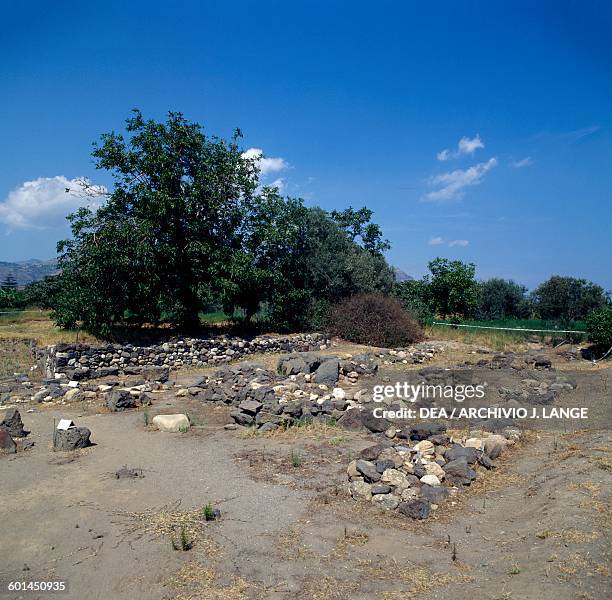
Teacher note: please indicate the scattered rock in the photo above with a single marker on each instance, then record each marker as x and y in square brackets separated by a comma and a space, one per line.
[11, 419]
[7, 444]
[72, 438]
[120, 400]
[415, 509]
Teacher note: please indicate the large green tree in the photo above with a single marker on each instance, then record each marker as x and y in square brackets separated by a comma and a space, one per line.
[454, 290]
[167, 231]
[186, 226]
[501, 298]
[567, 298]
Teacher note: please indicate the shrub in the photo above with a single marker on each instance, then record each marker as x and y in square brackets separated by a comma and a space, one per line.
[374, 320]
[599, 326]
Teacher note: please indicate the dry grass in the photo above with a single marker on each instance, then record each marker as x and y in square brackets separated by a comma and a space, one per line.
[15, 357]
[591, 487]
[497, 340]
[290, 547]
[168, 521]
[315, 430]
[417, 578]
[349, 540]
[41, 329]
[327, 588]
[194, 581]
[570, 536]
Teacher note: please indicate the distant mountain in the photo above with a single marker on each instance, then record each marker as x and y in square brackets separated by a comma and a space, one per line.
[27, 271]
[401, 275]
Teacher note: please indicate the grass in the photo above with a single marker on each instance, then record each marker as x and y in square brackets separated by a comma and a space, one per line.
[296, 458]
[503, 340]
[312, 429]
[195, 581]
[15, 357]
[41, 329]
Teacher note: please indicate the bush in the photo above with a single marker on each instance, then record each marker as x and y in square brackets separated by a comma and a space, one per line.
[374, 320]
[599, 326]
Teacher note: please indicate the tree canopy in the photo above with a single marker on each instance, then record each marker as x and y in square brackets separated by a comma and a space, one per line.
[187, 224]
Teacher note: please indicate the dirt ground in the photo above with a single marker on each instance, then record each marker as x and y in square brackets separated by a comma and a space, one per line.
[536, 527]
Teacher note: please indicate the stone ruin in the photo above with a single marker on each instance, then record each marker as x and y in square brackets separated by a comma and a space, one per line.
[424, 466]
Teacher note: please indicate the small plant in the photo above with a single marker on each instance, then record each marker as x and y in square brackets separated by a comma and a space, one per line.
[146, 416]
[209, 513]
[184, 542]
[184, 428]
[296, 458]
[515, 569]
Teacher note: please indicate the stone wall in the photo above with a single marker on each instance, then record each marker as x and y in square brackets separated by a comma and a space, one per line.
[79, 361]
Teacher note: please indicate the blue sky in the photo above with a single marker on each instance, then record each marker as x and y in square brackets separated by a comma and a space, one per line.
[356, 101]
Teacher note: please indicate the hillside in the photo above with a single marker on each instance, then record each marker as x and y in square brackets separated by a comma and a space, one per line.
[28, 270]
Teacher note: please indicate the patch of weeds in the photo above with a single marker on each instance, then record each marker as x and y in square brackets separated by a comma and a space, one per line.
[348, 540]
[194, 581]
[210, 513]
[184, 543]
[296, 458]
[166, 522]
[248, 432]
[514, 569]
[328, 588]
[183, 428]
[146, 417]
[603, 462]
[589, 486]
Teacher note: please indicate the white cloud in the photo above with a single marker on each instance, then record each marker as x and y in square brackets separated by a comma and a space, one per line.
[524, 162]
[469, 146]
[451, 185]
[465, 145]
[45, 202]
[279, 184]
[436, 241]
[266, 165]
[458, 243]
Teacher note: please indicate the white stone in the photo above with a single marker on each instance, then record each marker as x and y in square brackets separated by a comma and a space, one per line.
[473, 443]
[73, 384]
[395, 478]
[171, 423]
[435, 469]
[430, 480]
[71, 394]
[182, 392]
[385, 501]
[338, 393]
[424, 447]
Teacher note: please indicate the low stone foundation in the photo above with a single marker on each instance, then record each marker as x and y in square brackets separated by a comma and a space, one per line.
[79, 361]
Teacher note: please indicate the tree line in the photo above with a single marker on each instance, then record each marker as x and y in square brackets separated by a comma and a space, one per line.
[451, 290]
[188, 229]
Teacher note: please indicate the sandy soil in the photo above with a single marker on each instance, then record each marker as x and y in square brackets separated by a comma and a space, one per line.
[536, 527]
